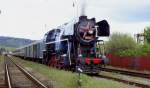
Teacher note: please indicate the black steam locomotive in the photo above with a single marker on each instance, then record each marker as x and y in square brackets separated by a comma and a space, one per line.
[70, 46]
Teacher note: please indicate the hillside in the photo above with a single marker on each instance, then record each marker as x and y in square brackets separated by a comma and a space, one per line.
[11, 43]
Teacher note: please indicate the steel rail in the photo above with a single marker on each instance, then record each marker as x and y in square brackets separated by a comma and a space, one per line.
[7, 77]
[28, 75]
[125, 72]
[123, 81]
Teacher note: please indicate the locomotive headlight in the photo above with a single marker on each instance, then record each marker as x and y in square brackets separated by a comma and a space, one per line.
[80, 55]
[90, 31]
[64, 55]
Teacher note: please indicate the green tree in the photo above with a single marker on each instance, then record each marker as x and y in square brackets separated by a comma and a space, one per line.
[147, 34]
[120, 42]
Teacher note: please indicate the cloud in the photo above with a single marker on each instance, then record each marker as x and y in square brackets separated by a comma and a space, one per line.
[27, 18]
[130, 28]
[121, 10]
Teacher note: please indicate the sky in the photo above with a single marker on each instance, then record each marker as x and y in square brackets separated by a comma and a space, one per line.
[33, 18]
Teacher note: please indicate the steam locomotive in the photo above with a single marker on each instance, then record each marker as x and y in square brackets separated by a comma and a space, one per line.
[70, 46]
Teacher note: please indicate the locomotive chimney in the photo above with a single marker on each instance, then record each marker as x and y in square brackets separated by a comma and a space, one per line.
[83, 7]
[82, 18]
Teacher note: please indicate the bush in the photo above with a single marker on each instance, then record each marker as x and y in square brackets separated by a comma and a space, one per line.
[145, 49]
[124, 45]
[140, 50]
[120, 42]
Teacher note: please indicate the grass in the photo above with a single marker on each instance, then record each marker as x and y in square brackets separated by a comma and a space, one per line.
[67, 79]
[2, 74]
[1, 59]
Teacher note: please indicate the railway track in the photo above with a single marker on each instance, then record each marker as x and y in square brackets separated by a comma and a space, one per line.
[126, 72]
[123, 81]
[18, 77]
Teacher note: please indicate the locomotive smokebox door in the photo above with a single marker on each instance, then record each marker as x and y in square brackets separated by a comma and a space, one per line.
[103, 28]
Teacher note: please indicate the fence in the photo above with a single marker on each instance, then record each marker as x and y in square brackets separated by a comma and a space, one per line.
[131, 62]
